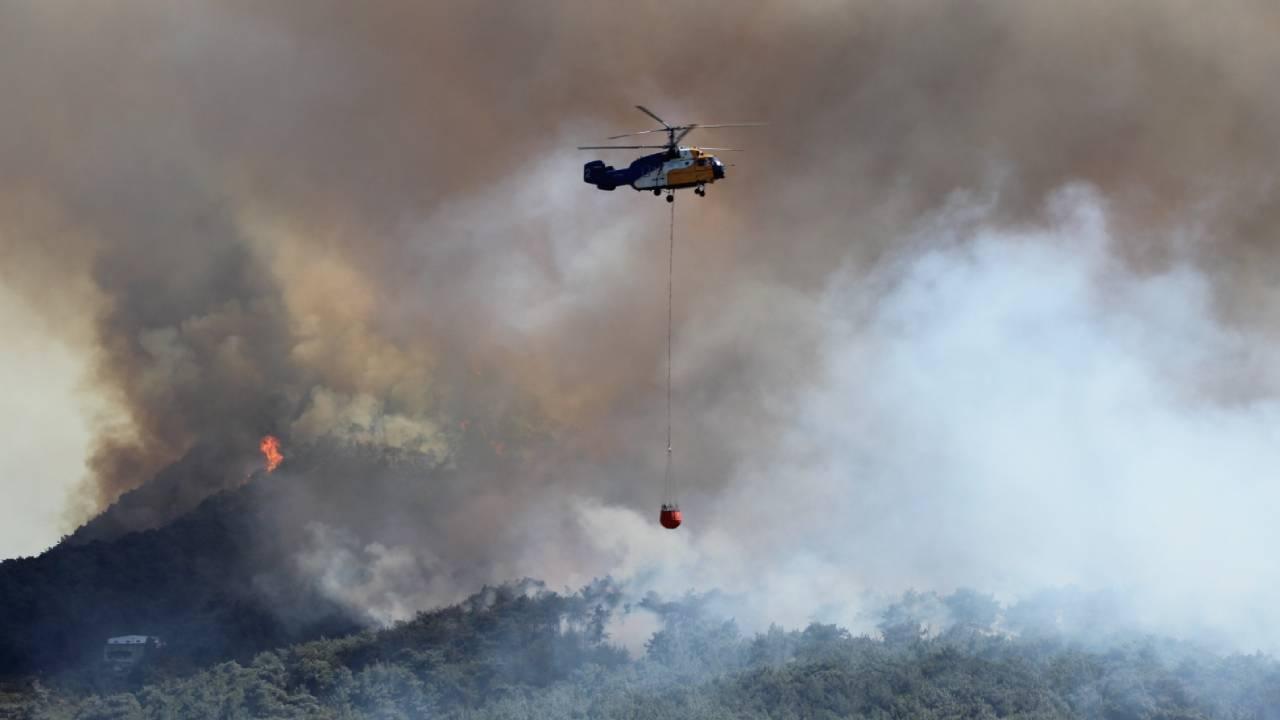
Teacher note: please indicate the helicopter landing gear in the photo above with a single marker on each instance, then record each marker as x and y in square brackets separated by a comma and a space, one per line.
[671, 196]
[656, 193]
[700, 191]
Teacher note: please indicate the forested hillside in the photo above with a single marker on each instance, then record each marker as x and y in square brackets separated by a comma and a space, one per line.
[224, 580]
[520, 651]
[207, 583]
[246, 636]
[194, 583]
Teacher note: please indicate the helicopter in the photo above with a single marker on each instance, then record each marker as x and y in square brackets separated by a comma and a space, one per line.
[674, 168]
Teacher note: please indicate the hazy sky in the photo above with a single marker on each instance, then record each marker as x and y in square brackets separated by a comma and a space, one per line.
[44, 425]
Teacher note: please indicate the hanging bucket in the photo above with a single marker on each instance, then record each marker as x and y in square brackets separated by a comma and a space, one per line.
[670, 516]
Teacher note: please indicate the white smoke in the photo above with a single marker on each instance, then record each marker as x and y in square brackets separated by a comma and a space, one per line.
[381, 583]
[1004, 409]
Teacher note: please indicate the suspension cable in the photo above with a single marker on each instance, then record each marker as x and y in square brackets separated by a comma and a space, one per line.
[671, 254]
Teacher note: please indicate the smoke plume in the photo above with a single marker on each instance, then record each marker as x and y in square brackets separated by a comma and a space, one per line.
[989, 302]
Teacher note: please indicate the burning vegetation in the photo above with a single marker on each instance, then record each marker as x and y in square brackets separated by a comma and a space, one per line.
[270, 447]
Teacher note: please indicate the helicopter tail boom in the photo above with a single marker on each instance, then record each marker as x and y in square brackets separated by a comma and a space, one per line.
[599, 174]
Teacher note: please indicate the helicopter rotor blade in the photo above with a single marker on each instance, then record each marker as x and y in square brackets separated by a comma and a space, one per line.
[675, 133]
[724, 125]
[649, 112]
[722, 149]
[618, 147]
[642, 132]
[685, 131]
[692, 126]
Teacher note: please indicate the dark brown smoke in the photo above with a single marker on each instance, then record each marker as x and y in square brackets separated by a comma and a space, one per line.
[364, 220]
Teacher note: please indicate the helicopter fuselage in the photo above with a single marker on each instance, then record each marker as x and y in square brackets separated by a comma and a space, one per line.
[682, 168]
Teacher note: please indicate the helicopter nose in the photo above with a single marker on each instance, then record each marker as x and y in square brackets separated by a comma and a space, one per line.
[717, 170]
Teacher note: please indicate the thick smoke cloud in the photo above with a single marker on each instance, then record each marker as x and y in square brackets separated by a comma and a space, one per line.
[1018, 411]
[988, 302]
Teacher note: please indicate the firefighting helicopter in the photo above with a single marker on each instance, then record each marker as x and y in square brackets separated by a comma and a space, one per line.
[673, 168]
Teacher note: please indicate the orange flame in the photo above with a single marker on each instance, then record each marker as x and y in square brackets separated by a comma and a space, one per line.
[270, 447]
